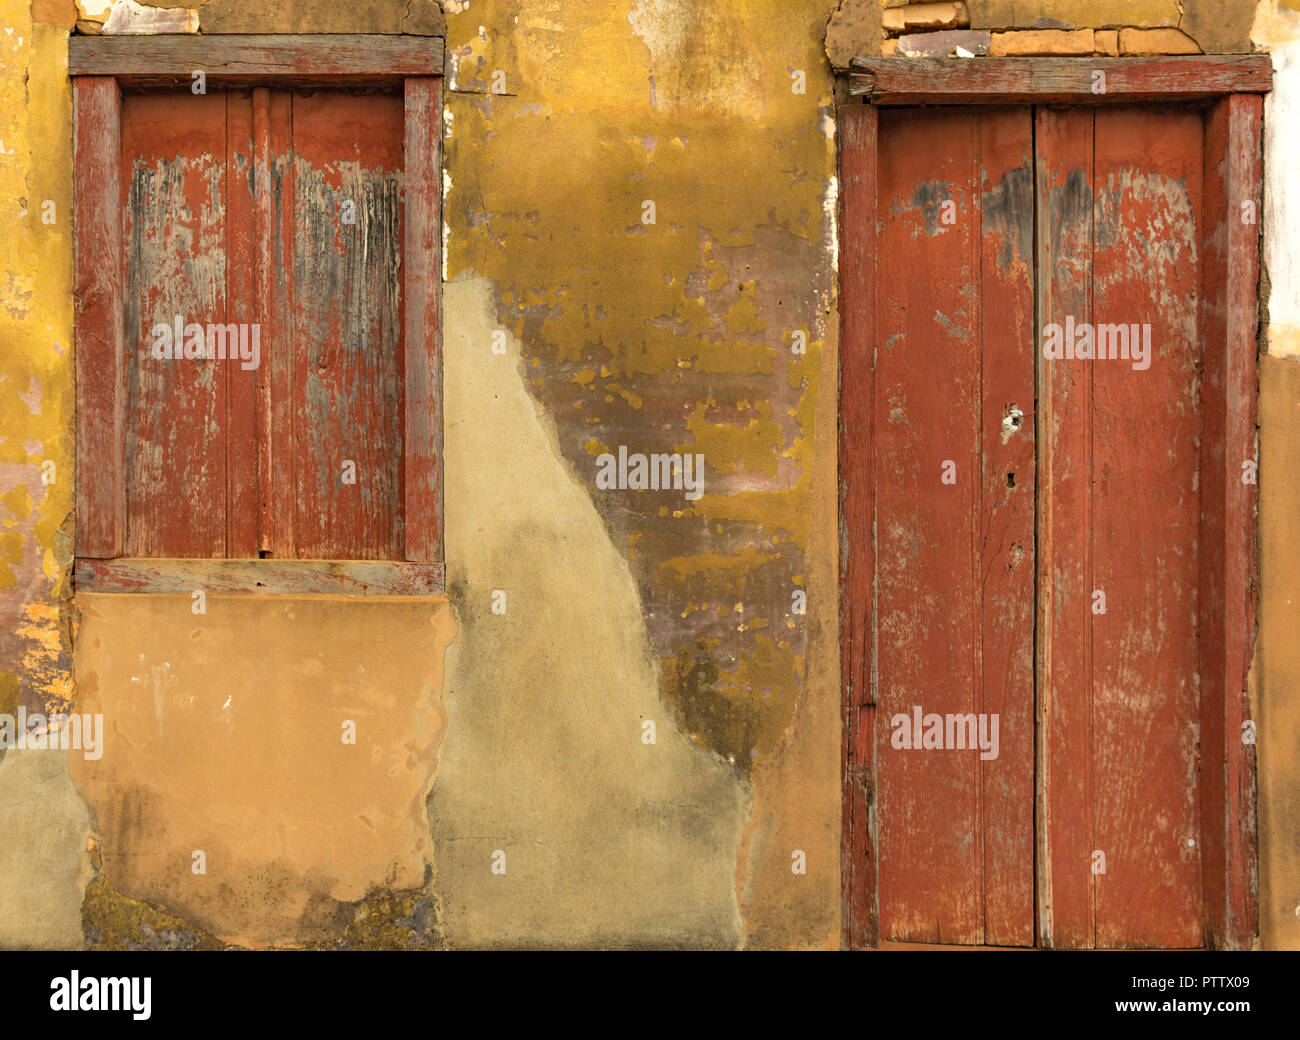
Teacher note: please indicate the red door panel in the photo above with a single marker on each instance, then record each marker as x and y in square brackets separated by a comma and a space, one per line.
[1122, 255]
[954, 489]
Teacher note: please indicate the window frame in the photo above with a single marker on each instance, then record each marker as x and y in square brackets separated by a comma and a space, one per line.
[99, 68]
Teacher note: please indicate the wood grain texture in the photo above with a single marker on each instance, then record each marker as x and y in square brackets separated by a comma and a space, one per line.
[926, 402]
[276, 194]
[280, 212]
[297, 577]
[173, 210]
[954, 601]
[1139, 222]
[1119, 470]
[101, 519]
[243, 59]
[1145, 504]
[1008, 490]
[347, 325]
[1064, 186]
[957, 81]
[858, 178]
[1241, 580]
[422, 276]
[242, 305]
[1228, 560]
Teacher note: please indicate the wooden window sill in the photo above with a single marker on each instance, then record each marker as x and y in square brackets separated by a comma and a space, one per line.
[288, 577]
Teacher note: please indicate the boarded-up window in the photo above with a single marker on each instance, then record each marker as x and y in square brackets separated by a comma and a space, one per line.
[290, 247]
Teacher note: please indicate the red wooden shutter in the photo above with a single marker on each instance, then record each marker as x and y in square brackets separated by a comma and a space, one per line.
[281, 210]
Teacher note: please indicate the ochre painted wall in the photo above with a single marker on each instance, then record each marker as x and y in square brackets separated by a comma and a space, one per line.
[621, 607]
[571, 327]
[674, 336]
[44, 824]
[1275, 676]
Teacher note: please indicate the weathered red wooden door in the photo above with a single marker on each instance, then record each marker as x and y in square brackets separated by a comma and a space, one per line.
[1033, 610]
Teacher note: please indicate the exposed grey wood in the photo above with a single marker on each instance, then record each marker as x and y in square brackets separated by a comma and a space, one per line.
[101, 391]
[964, 81]
[300, 577]
[323, 58]
[421, 276]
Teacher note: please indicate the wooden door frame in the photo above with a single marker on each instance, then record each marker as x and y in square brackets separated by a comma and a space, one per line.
[1232, 86]
[100, 67]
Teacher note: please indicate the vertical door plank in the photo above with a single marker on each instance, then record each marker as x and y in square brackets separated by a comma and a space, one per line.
[1119, 477]
[100, 362]
[173, 184]
[1005, 594]
[1064, 182]
[950, 611]
[926, 419]
[348, 346]
[1241, 388]
[244, 437]
[858, 175]
[955, 577]
[1228, 402]
[274, 273]
[1145, 503]
[1214, 487]
[422, 275]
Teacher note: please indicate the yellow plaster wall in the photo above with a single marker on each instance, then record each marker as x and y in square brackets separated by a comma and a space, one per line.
[44, 826]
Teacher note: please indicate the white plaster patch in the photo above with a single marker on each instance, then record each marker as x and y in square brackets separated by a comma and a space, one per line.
[831, 214]
[446, 227]
[661, 24]
[32, 398]
[682, 80]
[1281, 205]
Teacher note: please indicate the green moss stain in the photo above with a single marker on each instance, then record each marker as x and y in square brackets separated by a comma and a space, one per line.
[405, 920]
[740, 712]
[383, 920]
[114, 922]
[8, 693]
